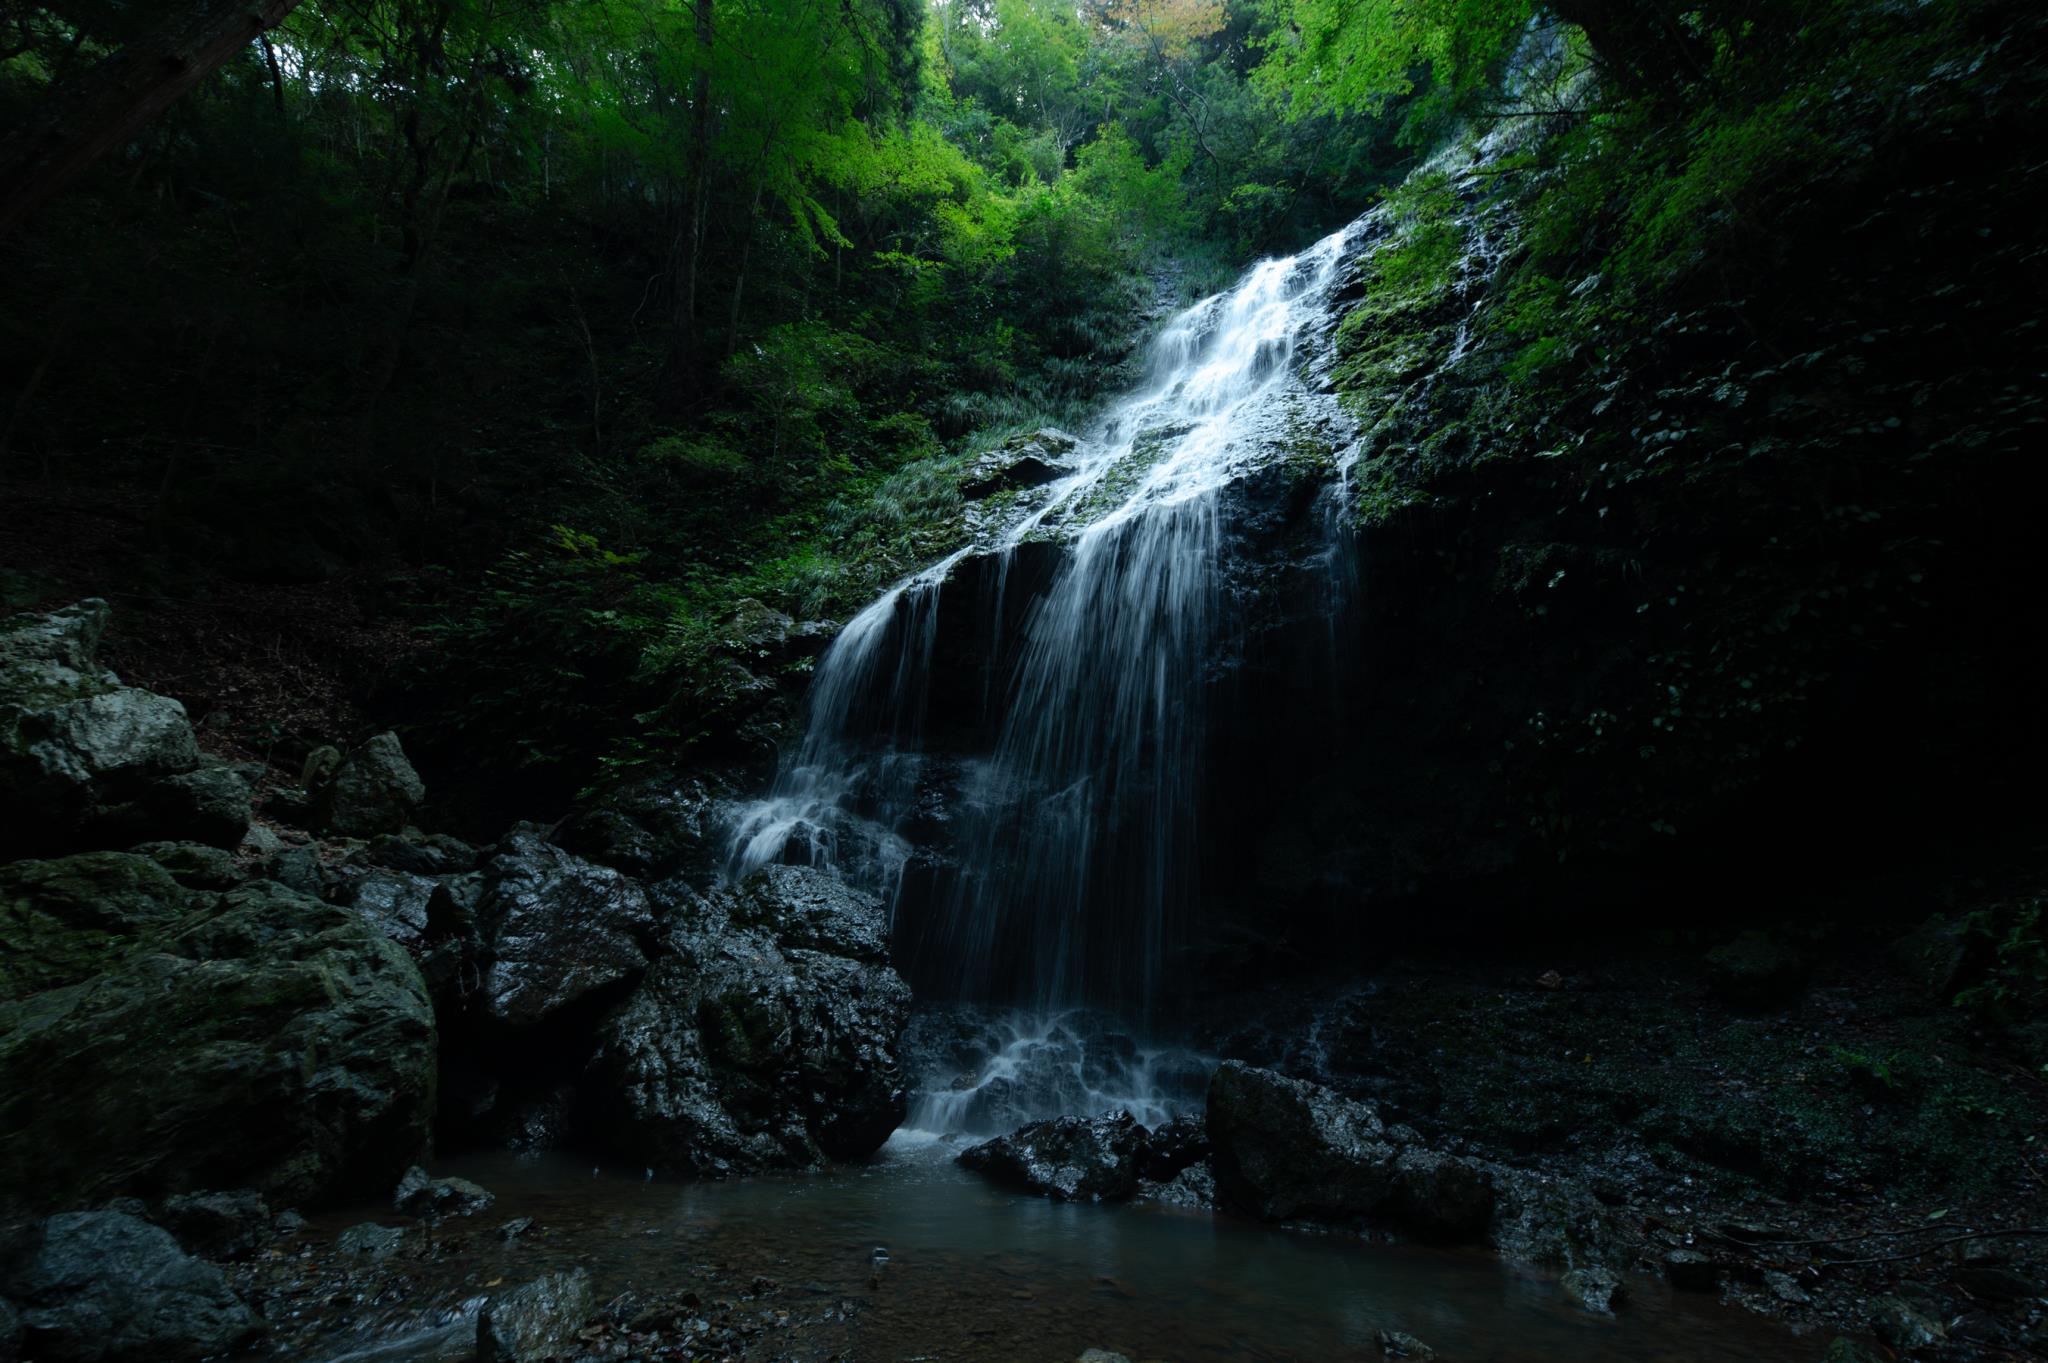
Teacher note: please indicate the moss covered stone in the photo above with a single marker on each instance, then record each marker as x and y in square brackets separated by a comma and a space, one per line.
[262, 1039]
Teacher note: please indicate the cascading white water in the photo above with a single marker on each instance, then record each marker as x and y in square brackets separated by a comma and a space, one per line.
[1078, 845]
[1069, 820]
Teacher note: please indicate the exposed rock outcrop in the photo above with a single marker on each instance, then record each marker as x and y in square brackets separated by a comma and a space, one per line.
[258, 1038]
[764, 1036]
[1285, 1148]
[557, 929]
[88, 762]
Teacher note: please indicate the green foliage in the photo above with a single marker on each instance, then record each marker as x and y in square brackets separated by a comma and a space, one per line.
[2017, 945]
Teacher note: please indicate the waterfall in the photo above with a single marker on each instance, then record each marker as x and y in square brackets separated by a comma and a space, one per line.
[1078, 831]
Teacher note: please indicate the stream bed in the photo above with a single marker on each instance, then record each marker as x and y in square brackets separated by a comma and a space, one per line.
[911, 1258]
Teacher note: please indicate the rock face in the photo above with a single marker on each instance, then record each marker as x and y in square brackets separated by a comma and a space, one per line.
[1072, 1159]
[103, 1287]
[87, 762]
[373, 791]
[258, 1038]
[558, 928]
[765, 1036]
[1285, 1148]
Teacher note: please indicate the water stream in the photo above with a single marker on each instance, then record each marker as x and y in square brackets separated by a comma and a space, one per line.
[909, 1257]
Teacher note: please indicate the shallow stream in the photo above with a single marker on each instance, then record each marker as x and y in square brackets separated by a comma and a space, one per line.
[911, 1258]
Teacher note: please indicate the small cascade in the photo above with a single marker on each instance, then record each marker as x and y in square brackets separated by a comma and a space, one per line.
[988, 1073]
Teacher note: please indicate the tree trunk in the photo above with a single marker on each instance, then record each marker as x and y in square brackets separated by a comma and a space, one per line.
[679, 379]
[81, 120]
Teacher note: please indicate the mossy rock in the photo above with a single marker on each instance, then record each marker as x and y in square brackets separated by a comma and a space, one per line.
[260, 1039]
[64, 921]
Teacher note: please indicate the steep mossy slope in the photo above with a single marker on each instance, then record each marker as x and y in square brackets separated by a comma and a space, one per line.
[1697, 501]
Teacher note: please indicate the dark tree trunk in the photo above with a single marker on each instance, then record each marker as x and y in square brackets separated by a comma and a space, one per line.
[81, 120]
[680, 373]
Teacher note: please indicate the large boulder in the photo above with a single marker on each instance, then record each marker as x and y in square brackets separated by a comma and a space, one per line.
[84, 759]
[104, 1287]
[398, 904]
[259, 1038]
[1071, 1159]
[764, 1036]
[558, 930]
[373, 790]
[1284, 1148]
[67, 919]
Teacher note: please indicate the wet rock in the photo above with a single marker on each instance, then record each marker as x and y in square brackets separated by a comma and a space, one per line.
[229, 1225]
[1847, 1351]
[368, 1240]
[1439, 1197]
[1072, 1159]
[1022, 461]
[743, 1051]
[434, 1199]
[1395, 1344]
[1285, 1148]
[559, 929]
[516, 1227]
[262, 1038]
[288, 1222]
[10, 1332]
[1593, 1289]
[1172, 1146]
[1904, 1325]
[1691, 1271]
[374, 790]
[801, 906]
[103, 1287]
[396, 903]
[1193, 1188]
[1543, 1220]
[66, 920]
[536, 1321]
[194, 865]
[653, 828]
[1757, 972]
